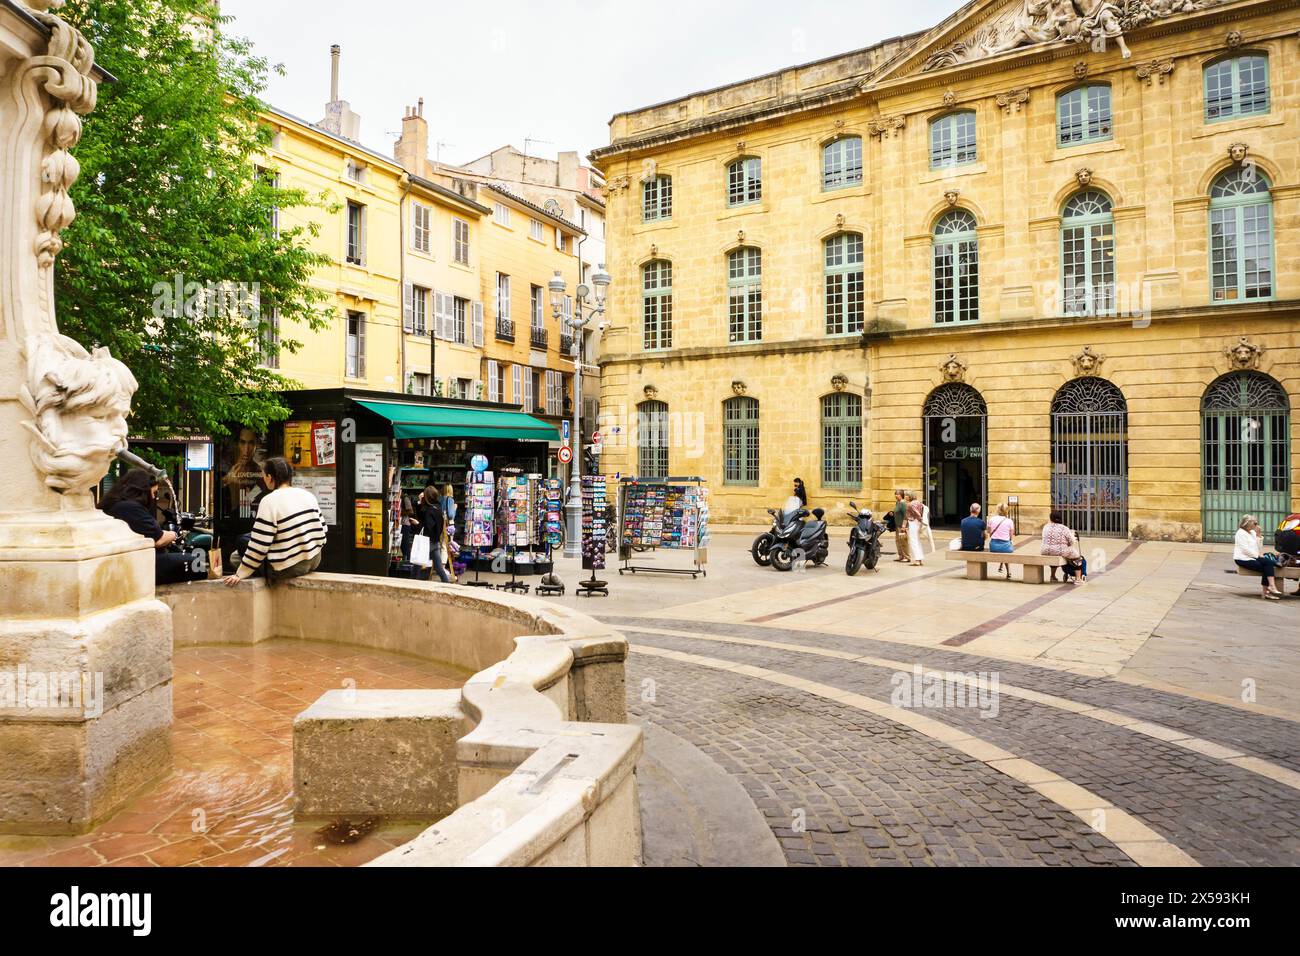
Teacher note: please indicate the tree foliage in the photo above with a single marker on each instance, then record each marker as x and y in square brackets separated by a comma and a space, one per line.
[170, 187]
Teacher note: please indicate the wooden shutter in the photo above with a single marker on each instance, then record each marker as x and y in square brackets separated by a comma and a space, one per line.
[439, 307]
[494, 383]
[478, 325]
[516, 387]
[408, 307]
[363, 257]
[361, 345]
[528, 391]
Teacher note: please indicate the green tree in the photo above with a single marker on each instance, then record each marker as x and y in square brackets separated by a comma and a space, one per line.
[170, 187]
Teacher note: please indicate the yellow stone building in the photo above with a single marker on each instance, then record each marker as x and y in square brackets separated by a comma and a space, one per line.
[1044, 253]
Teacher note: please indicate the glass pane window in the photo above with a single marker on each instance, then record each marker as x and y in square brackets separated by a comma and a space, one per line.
[657, 305]
[956, 268]
[1088, 255]
[657, 199]
[652, 439]
[952, 140]
[744, 181]
[842, 163]
[745, 295]
[1236, 87]
[842, 440]
[1083, 115]
[1241, 236]
[740, 441]
[844, 283]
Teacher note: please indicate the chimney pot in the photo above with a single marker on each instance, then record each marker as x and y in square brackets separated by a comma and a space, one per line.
[335, 52]
[421, 107]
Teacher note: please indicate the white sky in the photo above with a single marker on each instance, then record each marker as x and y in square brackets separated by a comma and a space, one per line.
[497, 73]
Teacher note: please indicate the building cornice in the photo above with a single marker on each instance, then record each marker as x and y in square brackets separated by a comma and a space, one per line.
[747, 350]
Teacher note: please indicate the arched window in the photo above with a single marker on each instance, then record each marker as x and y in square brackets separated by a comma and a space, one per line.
[652, 439]
[745, 295]
[842, 163]
[1083, 115]
[956, 268]
[1236, 86]
[952, 140]
[657, 304]
[745, 181]
[841, 440]
[1241, 236]
[1088, 254]
[740, 441]
[844, 283]
[657, 199]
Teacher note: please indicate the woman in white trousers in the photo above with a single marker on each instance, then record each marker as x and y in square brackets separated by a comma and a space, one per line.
[925, 526]
[914, 516]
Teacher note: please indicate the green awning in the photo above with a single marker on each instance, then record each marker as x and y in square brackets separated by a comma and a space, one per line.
[436, 421]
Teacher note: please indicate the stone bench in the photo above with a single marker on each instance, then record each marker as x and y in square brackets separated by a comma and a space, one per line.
[391, 753]
[977, 563]
[1291, 574]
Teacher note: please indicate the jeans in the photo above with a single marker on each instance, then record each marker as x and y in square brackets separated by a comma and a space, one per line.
[1266, 566]
[293, 571]
[440, 566]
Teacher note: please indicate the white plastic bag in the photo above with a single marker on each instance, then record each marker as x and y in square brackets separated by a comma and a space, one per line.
[954, 544]
[420, 551]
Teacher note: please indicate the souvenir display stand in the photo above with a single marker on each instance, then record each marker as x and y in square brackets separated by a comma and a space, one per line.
[518, 499]
[594, 530]
[664, 513]
[480, 519]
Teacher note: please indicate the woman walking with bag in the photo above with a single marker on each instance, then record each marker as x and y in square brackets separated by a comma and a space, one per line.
[433, 524]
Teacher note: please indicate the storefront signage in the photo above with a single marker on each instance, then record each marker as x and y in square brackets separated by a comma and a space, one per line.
[370, 469]
[962, 452]
[370, 524]
[479, 463]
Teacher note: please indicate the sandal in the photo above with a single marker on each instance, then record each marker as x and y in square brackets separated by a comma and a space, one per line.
[1269, 596]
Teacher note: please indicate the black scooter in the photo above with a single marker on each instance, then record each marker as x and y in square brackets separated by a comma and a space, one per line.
[802, 542]
[864, 541]
[761, 549]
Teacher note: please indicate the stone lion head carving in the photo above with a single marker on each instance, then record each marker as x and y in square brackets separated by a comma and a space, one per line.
[1244, 355]
[1087, 362]
[953, 369]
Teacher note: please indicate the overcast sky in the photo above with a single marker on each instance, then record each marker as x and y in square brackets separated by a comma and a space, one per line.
[553, 70]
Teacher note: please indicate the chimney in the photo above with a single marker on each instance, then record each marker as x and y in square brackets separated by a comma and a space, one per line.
[339, 118]
[567, 170]
[412, 150]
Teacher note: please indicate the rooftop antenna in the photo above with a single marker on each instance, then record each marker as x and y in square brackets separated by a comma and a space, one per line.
[438, 150]
[529, 139]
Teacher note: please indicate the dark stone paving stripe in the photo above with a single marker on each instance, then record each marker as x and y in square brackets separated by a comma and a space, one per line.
[1015, 614]
[1261, 735]
[1220, 814]
[840, 787]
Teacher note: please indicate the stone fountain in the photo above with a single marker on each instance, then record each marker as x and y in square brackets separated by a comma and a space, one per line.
[85, 648]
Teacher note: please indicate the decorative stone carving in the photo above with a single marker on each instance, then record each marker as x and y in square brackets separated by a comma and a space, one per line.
[839, 381]
[79, 403]
[1154, 70]
[839, 220]
[887, 126]
[839, 125]
[1012, 100]
[949, 99]
[1237, 152]
[1031, 22]
[953, 369]
[740, 235]
[1244, 356]
[618, 184]
[654, 248]
[1233, 40]
[1087, 362]
[950, 196]
[1083, 175]
[740, 146]
[1081, 70]
[739, 387]
[651, 393]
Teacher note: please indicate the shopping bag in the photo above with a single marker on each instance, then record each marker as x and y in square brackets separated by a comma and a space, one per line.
[954, 544]
[420, 551]
[214, 564]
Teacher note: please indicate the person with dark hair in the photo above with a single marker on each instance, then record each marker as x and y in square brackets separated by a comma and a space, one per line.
[801, 492]
[433, 522]
[133, 499]
[289, 532]
[1061, 541]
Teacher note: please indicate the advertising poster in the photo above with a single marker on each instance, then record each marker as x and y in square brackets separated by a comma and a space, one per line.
[297, 444]
[370, 524]
[323, 444]
[325, 489]
[370, 469]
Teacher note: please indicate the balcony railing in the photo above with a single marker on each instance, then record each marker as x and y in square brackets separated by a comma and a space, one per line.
[505, 329]
[538, 337]
[566, 344]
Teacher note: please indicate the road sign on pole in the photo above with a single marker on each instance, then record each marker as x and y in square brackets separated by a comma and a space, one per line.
[566, 455]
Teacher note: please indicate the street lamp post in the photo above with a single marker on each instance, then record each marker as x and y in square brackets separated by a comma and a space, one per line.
[582, 317]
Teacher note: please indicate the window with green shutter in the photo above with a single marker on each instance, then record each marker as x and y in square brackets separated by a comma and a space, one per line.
[740, 441]
[842, 440]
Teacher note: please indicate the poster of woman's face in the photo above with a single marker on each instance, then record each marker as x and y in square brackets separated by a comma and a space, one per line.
[241, 467]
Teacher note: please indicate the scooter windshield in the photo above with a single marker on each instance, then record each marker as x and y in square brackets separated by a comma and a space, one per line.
[790, 508]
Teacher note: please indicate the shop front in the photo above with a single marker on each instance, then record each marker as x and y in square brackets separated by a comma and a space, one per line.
[359, 451]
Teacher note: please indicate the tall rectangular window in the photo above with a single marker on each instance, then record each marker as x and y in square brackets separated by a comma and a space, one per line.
[1237, 86]
[460, 241]
[1083, 115]
[421, 227]
[652, 439]
[459, 307]
[420, 311]
[952, 140]
[536, 230]
[501, 214]
[355, 356]
[740, 441]
[842, 163]
[844, 283]
[356, 233]
[657, 305]
[842, 440]
[535, 300]
[745, 295]
[656, 199]
[744, 182]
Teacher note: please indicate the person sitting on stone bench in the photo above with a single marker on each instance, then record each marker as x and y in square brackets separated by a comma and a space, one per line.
[1060, 540]
[1248, 552]
[289, 533]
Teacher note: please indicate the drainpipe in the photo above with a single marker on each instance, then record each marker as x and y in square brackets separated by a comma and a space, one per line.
[401, 293]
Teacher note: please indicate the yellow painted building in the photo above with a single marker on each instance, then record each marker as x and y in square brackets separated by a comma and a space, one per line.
[1029, 255]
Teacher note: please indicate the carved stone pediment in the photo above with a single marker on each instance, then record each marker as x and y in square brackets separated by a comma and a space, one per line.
[953, 369]
[1245, 355]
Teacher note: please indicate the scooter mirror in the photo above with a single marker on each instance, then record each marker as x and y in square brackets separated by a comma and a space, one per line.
[853, 505]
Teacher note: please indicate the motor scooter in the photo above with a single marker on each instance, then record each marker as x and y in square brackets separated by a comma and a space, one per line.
[864, 540]
[802, 541]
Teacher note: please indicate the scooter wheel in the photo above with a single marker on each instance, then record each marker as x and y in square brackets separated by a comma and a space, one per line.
[853, 563]
[873, 559]
[782, 559]
[761, 550]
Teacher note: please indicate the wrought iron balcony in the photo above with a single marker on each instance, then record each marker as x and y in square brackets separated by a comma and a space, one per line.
[566, 344]
[539, 338]
[505, 329]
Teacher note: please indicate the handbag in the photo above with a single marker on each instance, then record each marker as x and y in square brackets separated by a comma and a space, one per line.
[420, 551]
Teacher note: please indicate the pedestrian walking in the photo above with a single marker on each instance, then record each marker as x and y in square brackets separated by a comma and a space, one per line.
[433, 524]
[1001, 529]
[915, 512]
[900, 526]
[1248, 552]
[925, 526]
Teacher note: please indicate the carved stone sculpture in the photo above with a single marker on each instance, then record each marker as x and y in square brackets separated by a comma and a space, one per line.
[1083, 176]
[953, 369]
[739, 387]
[1245, 355]
[839, 381]
[1237, 152]
[1087, 362]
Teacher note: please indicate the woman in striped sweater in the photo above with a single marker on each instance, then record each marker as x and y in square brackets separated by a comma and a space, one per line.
[288, 533]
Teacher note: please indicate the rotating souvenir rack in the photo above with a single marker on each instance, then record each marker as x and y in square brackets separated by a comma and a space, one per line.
[594, 530]
[663, 513]
[480, 518]
[519, 499]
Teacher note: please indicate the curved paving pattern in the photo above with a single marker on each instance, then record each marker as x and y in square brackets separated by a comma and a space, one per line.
[1217, 812]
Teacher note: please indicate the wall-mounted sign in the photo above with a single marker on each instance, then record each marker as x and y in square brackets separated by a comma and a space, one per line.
[370, 469]
[325, 489]
[370, 524]
[198, 456]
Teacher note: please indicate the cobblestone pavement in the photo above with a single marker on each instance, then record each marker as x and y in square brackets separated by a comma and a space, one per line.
[843, 788]
[876, 792]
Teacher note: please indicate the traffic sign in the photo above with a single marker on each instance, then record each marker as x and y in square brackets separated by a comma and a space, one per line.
[565, 430]
[566, 455]
[595, 439]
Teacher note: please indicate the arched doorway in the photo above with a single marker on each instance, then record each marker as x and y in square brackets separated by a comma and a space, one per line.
[1245, 454]
[1090, 457]
[956, 473]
